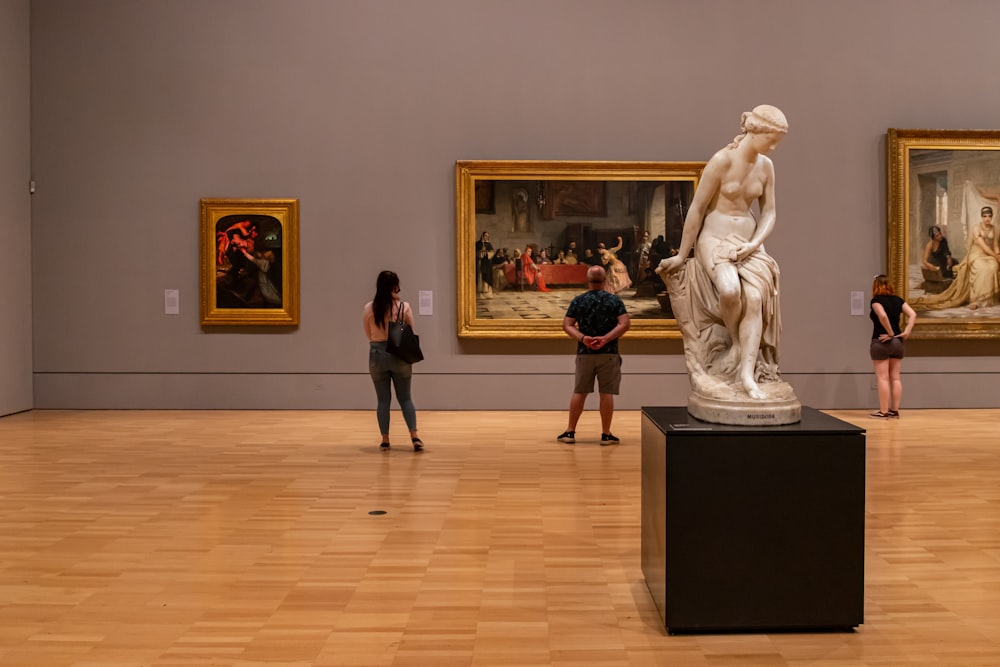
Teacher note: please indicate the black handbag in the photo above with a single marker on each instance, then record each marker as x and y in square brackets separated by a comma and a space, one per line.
[402, 342]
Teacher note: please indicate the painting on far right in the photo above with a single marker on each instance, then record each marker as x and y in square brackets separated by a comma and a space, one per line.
[943, 242]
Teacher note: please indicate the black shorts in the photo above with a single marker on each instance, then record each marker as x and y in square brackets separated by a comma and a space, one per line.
[891, 349]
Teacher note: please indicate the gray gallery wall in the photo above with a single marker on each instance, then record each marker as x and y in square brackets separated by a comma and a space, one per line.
[15, 209]
[360, 108]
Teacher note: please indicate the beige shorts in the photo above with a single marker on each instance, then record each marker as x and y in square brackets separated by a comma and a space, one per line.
[606, 368]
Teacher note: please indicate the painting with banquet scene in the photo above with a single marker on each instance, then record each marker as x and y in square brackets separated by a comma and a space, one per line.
[528, 230]
[943, 243]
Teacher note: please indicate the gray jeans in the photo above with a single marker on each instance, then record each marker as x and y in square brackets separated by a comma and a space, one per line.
[388, 371]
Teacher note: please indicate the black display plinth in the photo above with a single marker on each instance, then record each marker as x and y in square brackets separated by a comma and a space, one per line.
[753, 528]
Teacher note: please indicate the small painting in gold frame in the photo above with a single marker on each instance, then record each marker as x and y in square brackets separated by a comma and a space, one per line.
[249, 262]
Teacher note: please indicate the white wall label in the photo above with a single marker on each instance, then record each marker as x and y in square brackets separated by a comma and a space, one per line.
[171, 302]
[857, 303]
[426, 302]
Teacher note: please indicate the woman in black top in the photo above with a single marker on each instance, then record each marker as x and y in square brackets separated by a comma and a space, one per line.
[937, 255]
[887, 344]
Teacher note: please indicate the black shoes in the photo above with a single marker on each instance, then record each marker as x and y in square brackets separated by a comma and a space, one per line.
[569, 437]
[418, 445]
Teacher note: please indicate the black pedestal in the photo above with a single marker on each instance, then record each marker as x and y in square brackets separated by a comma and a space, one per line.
[753, 528]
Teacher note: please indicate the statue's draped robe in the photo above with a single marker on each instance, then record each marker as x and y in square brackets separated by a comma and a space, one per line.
[707, 344]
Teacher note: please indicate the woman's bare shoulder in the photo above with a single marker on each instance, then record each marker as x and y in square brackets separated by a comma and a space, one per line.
[721, 159]
[718, 164]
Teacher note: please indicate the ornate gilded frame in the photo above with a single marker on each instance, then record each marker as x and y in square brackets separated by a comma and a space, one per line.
[250, 262]
[929, 172]
[594, 214]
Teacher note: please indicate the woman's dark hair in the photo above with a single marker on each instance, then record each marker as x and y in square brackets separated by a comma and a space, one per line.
[933, 230]
[385, 285]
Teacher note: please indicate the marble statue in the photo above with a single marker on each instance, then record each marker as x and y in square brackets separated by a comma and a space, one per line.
[725, 297]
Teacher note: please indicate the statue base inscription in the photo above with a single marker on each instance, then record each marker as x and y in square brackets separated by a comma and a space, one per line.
[780, 407]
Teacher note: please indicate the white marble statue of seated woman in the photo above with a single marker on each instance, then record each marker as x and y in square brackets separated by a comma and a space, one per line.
[726, 298]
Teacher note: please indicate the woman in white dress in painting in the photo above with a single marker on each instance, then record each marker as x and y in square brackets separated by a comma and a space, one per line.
[977, 277]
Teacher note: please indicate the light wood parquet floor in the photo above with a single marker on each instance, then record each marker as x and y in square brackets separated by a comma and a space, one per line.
[241, 539]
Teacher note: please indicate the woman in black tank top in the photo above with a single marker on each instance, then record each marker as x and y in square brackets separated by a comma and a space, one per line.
[886, 348]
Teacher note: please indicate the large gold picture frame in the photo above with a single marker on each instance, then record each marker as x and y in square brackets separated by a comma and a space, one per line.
[249, 262]
[943, 180]
[628, 214]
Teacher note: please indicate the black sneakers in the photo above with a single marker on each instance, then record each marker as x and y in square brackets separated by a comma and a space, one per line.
[418, 446]
[569, 437]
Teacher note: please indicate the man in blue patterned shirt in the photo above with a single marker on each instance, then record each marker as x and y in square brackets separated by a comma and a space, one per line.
[595, 319]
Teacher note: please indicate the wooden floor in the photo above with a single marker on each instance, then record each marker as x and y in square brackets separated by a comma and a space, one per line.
[169, 539]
